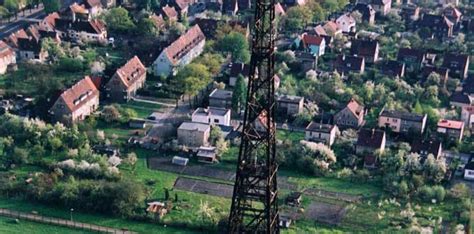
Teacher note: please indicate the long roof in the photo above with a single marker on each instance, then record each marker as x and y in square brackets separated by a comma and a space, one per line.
[79, 94]
[370, 138]
[184, 44]
[403, 115]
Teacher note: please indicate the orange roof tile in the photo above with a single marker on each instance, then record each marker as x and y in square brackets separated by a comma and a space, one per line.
[79, 94]
[184, 44]
[131, 71]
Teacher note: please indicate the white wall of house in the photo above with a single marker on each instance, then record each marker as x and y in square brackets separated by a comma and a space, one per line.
[85, 110]
[329, 138]
[467, 117]
[469, 174]
[164, 67]
[212, 119]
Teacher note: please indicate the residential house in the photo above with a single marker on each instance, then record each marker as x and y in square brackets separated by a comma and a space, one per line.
[194, 134]
[94, 7]
[181, 6]
[467, 116]
[321, 32]
[220, 98]
[427, 147]
[306, 60]
[169, 13]
[382, 7]
[468, 85]
[212, 115]
[27, 44]
[439, 26]
[368, 49]
[314, 44]
[441, 71]
[452, 129]
[7, 57]
[290, 105]
[458, 65]
[158, 21]
[351, 116]
[332, 28]
[346, 64]
[369, 141]
[236, 70]
[49, 22]
[230, 7]
[346, 23]
[180, 53]
[453, 14]
[279, 10]
[412, 58]
[207, 154]
[76, 103]
[126, 81]
[393, 68]
[367, 12]
[88, 31]
[469, 171]
[319, 132]
[402, 122]
[461, 99]
[410, 13]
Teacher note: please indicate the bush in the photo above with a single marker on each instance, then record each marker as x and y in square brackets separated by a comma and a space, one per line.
[426, 193]
[439, 193]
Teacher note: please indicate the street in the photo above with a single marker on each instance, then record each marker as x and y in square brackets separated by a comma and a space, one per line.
[21, 21]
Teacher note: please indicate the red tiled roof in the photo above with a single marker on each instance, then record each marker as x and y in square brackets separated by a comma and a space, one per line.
[320, 31]
[355, 107]
[332, 26]
[445, 123]
[131, 71]
[12, 39]
[98, 25]
[279, 11]
[184, 44]
[158, 20]
[51, 19]
[5, 50]
[76, 8]
[79, 94]
[183, 4]
[312, 39]
[170, 12]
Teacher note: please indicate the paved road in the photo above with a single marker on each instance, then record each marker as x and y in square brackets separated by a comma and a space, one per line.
[20, 22]
[60, 222]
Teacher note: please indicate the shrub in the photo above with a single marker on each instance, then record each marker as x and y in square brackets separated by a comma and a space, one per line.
[426, 193]
[439, 193]
[70, 65]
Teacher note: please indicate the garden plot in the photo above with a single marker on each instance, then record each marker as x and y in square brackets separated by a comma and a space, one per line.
[333, 195]
[204, 187]
[325, 212]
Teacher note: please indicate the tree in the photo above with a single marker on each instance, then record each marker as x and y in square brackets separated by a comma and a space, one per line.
[357, 16]
[216, 134]
[221, 146]
[119, 21]
[207, 213]
[193, 78]
[317, 156]
[54, 49]
[296, 18]
[236, 45]
[12, 6]
[110, 114]
[239, 94]
[146, 27]
[417, 108]
[51, 6]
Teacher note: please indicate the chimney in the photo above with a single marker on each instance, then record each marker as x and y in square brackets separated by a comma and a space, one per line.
[373, 132]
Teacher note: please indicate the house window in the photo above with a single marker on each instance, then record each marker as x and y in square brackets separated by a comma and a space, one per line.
[216, 121]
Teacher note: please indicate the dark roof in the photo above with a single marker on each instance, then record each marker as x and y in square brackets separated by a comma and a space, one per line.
[208, 26]
[92, 26]
[318, 127]
[365, 9]
[370, 138]
[429, 146]
[469, 166]
[427, 70]
[364, 47]
[393, 68]
[221, 94]
[381, 2]
[290, 99]
[461, 98]
[434, 21]
[349, 63]
[403, 115]
[239, 69]
[229, 5]
[455, 61]
[468, 86]
[405, 53]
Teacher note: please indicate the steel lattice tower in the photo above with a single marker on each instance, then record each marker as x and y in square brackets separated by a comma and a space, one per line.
[254, 202]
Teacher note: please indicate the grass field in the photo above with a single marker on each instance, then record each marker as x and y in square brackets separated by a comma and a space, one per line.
[7, 225]
[143, 109]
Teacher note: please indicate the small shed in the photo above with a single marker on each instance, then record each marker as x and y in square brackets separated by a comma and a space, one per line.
[137, 123]
[207, 154]
[469, 171]
[180, 161]
[294, 199]
[157, 208]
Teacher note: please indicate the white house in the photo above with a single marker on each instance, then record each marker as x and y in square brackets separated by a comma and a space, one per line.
[318, 132]
[346, 23]
[7, 57]
[467, 116]
[469, 171]
[181, 52]
[212, 115]
[92, 30]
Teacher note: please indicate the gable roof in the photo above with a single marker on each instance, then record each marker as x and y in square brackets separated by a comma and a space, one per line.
[364, 47]
[79, 94]
[158, 20]
[452, 11]
[320, 31]
[404, 53]
[355, 107]
[237, 69]
[347, 19]
[393, 68]
[403, 115]
[131, 72]
[94, 26]
[382, 2]
[427, 70]
[372, 138]
[319, 127]
[308, 39]
[279, 11]
[51, 19]
[451, 124]
[347, 63]
[461, 97]
[428, 146]
[184, 44]
[438, 21]
[5, 50]
[455, 61]
[331, 25]
[170, 12]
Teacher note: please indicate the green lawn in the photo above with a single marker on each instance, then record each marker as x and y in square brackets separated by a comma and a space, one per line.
[143, 109]
[290, 135]
[7, 225]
